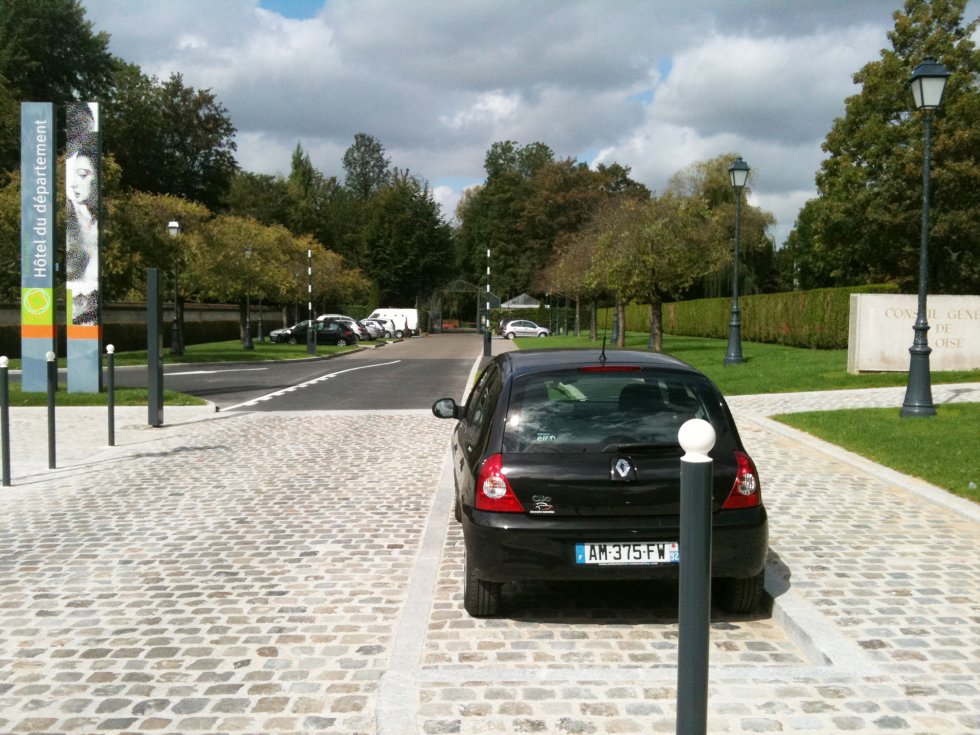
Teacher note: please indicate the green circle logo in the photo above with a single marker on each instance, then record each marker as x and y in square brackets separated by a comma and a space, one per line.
[37, 301]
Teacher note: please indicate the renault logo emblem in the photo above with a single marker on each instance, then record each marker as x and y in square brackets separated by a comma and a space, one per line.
[623, 469]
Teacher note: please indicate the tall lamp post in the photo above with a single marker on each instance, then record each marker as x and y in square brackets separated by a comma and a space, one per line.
[176, 341]
[739, 173]
[248, 301]
[928, 83]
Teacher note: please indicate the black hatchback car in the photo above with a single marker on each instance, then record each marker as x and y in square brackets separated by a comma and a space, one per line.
[567, 467]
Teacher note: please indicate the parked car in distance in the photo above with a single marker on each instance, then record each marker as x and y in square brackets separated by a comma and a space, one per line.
[296, 334]
[335, 332]
[359, 329]
[567, 468]
[373, 330]
[524, 328]
[385, 326]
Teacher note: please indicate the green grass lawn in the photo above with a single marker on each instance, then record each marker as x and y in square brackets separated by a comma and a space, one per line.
[941, 450]
[231, 351]
[767, 368]
[878, 434]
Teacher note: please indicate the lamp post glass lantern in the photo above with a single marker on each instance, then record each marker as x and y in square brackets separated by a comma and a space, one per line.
[928, 83]
[739, 174]
[248, 300]
[176, 339]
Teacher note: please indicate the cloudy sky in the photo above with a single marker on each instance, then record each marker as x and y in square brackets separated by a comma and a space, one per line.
[652, 84]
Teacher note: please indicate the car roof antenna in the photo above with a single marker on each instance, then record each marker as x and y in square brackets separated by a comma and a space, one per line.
[602, 355]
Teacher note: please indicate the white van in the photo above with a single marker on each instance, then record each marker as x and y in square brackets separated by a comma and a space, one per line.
[406, 320]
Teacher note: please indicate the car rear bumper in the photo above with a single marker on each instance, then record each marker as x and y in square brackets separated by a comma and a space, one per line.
[505, 547]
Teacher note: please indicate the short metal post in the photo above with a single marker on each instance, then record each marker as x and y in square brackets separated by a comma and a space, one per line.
[487, 351]
[52, 388]
[696, 438]
[154, 348]
[5, 419]
[111, 395]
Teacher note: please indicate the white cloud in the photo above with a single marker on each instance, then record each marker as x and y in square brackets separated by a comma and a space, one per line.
[490, 107]
[653, 84]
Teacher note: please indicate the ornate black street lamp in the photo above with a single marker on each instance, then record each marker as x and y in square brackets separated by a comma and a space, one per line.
[739, 173]
[176, 341]
[928, 83]
[248, 301]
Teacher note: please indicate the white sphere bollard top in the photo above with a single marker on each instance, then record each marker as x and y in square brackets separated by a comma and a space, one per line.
[696, 437]
[4, 361]
[49, 356]
[110, 349]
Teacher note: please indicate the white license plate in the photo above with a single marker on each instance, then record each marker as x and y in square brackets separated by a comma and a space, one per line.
[643, 552]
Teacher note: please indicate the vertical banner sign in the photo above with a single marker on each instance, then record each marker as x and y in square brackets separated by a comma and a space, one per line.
[82, 188]
[38, 155]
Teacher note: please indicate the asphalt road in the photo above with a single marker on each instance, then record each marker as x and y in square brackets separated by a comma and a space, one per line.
[409, 374]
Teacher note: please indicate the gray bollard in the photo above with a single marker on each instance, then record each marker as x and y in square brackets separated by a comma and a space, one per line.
[696, 438]
[5, 419]
[52, 389]
[111, 395]
[487, 350]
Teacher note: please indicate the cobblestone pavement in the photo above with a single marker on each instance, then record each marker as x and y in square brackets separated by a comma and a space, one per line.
[264, 573]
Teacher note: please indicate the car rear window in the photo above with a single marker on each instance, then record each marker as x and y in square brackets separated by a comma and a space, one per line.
[580, 411]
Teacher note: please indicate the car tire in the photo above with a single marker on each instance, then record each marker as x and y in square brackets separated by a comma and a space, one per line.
[387, 335]
[509, 335]
[291, 340]
[481, 599]
[543, 334]
[341, 342]
[399, 334]
[739, 595]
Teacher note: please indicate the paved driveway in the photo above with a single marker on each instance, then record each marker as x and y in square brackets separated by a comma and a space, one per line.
[257, 572]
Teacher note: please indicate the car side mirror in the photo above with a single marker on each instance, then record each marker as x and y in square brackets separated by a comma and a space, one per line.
[446, 408]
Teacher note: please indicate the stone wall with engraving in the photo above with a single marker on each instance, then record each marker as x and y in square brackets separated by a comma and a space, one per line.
[880, 332]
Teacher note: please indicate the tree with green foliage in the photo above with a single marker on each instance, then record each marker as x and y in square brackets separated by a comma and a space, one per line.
[263, 197]
[709, 182]
[365, 166]
[653, 250]
[409, 243]
[864, 226]
[170, 138]
[48, 53]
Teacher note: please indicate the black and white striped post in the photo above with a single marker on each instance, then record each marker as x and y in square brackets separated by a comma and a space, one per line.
[696, 437]
[310, 334]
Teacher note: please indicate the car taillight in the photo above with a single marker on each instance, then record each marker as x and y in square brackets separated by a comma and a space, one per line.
[493, 492]
[746, 492]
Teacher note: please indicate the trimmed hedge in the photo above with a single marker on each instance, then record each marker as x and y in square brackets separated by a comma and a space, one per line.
[814, 319]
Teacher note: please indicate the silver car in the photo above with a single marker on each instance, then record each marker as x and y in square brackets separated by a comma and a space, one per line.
[524, 328]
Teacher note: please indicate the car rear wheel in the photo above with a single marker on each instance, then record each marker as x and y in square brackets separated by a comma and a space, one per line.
[481, 599]
[738, 595]
[543, 334]
[291, 340]
[509, 335]
[342, 342]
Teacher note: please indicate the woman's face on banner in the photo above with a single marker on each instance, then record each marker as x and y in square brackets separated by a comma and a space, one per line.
[81, 177]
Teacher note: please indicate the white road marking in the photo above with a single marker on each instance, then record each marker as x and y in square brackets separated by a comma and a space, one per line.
[314, 381]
